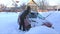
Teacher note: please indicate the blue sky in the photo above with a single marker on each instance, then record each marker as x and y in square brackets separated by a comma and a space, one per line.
[9, 2]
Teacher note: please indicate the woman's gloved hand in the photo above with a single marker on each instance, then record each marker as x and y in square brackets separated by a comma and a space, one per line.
[43, 18]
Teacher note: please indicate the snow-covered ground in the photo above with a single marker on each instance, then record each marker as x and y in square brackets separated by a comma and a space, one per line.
[41, 30]
[9, 25]
[54, 18]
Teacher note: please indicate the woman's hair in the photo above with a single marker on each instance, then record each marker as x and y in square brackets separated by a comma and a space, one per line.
[28, 8]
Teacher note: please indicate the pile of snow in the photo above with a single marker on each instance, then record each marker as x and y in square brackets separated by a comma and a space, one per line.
[41, 30]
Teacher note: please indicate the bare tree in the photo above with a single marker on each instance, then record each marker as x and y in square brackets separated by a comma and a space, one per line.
[42, 4]
[2, 6]
[15, 3]
[23, 6]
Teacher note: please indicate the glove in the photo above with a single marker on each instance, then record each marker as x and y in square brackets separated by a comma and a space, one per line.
[43, 18]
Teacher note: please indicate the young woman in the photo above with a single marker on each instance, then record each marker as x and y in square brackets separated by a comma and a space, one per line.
[22, 17]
